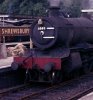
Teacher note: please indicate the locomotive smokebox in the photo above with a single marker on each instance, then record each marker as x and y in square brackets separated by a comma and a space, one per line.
[54, 11]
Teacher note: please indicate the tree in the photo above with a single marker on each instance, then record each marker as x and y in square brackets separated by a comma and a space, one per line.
[39, 9]
[4, 6]
[13, 7]
[26, 7]
[75, 8]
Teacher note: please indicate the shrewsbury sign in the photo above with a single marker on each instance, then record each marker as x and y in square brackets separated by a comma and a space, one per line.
[14, 31]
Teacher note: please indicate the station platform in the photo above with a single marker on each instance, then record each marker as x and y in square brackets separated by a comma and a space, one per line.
[6, 62]
[87, 97]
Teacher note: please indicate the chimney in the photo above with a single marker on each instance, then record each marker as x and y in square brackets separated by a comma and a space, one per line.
[54, 11]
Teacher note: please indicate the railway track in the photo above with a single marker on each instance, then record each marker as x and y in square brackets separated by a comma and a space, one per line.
[20, 92]
[70, 90]
[8, 77]
[4, 92]
[81, 94]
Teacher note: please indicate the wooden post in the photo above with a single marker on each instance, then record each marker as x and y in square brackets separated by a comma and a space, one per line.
[31, 44]
[3, 50]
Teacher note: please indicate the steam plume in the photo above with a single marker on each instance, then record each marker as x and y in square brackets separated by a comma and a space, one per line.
[54, 2]
[91, 4]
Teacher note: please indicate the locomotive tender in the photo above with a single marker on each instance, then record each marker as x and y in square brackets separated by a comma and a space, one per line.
[62, 46]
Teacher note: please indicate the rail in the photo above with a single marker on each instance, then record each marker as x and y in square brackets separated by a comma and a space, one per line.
[35, 92]
[14, 43]
[13, 89]
[81, 94]
[59, 91]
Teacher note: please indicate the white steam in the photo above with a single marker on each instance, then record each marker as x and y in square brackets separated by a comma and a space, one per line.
[87, 4]
[91, 4]
[54, 2]
[57, 2]
[67, 3]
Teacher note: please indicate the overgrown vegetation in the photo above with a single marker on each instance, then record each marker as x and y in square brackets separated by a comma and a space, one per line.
[36, 7]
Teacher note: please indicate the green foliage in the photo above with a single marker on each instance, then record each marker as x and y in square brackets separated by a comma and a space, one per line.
[26, 8]
[75, 8]
[36, 7]
[4, 6]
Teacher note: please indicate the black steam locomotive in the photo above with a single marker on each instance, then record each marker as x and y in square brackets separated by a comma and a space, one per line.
[62, 46]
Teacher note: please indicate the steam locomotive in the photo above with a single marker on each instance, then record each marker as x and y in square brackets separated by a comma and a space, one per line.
[62, 46]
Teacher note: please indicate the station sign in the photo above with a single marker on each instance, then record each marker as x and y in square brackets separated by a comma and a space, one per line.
[14, 31]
